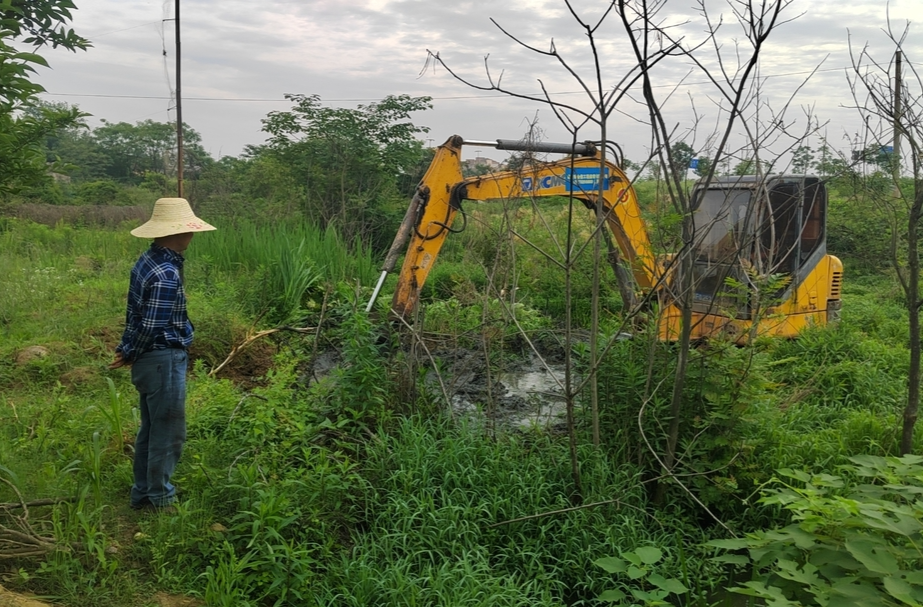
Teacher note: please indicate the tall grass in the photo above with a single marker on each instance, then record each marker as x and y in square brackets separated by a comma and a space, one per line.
[253, 246]
[441, 487]
[302, 490]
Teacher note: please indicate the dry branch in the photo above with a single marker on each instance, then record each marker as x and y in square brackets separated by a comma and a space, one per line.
[616, 501]
[51, 501]
[252, 337]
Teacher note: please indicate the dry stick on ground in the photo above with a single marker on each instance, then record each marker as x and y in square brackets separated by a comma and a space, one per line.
[574, 509]
[252, 337]
[51, 501]
[16, 544]
[24, 543]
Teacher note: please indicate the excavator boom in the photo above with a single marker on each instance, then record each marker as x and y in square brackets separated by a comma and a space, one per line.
[439, 197]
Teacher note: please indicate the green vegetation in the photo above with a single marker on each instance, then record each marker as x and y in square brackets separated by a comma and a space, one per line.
[855, 537]
[360, 487]
[24, 123]
[336, 459]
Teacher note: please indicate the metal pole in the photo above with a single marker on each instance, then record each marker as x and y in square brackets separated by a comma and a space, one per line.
[179, 113]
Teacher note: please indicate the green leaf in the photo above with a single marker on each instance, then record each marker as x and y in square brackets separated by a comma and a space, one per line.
[731, 559]
[900, 522]
[669, 584]
[900, 590]
[611, 564]
[635, 573]
[735, 544]
[612, 596]
[632, 558]
[648, 596]
[649, 554]
[31, 58]
[874, 556]
[912, 577]
[857, 592]
[826, 557]
[806, 575]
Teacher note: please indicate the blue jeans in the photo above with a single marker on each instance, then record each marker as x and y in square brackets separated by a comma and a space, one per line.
[160, 378]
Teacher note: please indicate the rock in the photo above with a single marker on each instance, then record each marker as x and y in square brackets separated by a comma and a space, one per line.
[27, 355]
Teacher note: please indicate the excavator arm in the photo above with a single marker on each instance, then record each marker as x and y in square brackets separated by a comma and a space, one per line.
[438, 199]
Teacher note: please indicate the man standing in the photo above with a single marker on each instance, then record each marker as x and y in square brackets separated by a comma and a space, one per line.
[157, 335]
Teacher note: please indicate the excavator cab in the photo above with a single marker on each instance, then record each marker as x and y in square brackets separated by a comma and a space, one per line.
[757, 239]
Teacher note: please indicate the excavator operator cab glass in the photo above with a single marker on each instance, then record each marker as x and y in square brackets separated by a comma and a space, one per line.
[749, 233]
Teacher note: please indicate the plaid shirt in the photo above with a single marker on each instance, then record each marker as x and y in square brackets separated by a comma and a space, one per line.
[156, 315]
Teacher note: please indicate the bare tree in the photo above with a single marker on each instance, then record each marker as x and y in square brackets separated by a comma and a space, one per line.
[656, 39]
[890, 105]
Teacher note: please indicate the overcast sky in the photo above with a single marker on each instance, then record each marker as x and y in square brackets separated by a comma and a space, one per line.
[240, 57]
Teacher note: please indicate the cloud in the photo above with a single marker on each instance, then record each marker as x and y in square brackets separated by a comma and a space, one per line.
[352, 51]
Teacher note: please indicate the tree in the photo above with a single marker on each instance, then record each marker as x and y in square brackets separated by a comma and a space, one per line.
[630, 167]
[653, 35]
[704, 167]
[803, 159]
[831, 163]
[682, 154]
[749, 167]
[132, 150]
[36, 23]
[348, 161]
[879, 156]
[893, 116]
[22, 157]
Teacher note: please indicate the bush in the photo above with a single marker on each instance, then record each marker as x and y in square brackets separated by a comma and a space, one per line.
[854, 539]
[97, 192]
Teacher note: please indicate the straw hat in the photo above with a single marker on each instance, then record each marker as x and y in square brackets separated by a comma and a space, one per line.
[171, 216]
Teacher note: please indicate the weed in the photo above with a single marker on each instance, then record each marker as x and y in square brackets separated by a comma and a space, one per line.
[854, 538]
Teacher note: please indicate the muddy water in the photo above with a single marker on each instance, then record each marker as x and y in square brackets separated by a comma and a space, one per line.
[524, 397]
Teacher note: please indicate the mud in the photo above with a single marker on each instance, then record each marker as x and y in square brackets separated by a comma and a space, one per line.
[516, 391]
[524, 393]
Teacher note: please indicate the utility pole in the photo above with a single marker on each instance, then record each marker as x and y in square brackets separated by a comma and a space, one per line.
[179, 114]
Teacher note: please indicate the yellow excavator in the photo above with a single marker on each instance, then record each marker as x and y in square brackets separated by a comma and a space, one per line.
[758, 264]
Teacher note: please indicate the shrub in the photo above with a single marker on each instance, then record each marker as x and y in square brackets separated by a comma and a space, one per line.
[855, 539]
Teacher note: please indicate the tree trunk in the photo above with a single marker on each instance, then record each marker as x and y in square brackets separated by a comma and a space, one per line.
[682, 359]
[913, 308]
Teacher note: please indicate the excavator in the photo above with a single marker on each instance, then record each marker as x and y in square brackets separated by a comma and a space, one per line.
[758, 263]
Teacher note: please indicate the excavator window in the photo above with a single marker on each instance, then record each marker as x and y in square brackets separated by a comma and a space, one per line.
[724, 234]
[721, 219]
[738, 224]
[780, 229]
[814, 218]
[793, 227]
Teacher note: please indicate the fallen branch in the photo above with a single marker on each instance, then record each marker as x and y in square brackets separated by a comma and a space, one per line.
[51, 501]
[252, 337]
[574, 509]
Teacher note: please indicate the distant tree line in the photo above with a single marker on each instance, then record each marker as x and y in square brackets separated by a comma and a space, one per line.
[349, 168]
